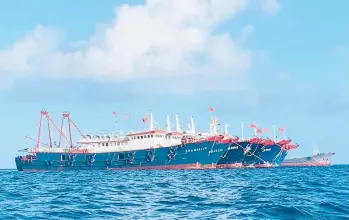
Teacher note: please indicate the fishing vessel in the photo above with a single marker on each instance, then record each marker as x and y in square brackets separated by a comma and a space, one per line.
[273, 153]
[317, 159]
[256, 151]
[151, 149]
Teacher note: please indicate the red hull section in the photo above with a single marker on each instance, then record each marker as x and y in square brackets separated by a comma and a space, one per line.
[264, 165]
[229, 166]
[312, 164]
[194, 166]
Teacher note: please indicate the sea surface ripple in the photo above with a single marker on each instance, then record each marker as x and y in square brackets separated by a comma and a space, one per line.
[274, 193]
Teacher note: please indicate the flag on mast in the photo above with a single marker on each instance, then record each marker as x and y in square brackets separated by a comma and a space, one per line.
[145, 119]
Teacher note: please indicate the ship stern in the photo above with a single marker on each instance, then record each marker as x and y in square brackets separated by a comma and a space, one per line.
[19, 164]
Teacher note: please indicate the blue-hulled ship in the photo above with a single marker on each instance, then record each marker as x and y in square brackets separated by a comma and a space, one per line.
[286, 146]
[269, 153]
[241, 153]
[255, 152]
[152, 149]
[234, 156]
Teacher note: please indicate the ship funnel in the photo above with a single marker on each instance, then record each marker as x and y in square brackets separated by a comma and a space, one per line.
[168, 125]
[178, 128]
[192, 124]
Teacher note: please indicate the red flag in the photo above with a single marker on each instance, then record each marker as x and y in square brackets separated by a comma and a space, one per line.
[114, 112]
[266, 130]
[126, 116]
[259, 131]
[281, 129]
[211, 109]
[145, 119]
[253, 125]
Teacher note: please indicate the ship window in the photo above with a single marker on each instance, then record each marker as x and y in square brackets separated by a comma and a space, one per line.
[62, 157]
[148, 136]
[118, 143]
[151, 135]
[141, 137]
[106, 144]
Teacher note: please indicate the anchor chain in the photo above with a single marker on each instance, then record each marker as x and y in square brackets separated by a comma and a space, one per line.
[71, 159]
[151, 155]
[172, 154]
[131, 157]
[90, 159]
[108, 161]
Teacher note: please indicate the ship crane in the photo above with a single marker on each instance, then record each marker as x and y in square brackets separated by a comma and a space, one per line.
[45, 114]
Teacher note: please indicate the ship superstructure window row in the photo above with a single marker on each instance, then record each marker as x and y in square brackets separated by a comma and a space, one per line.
[172, 137]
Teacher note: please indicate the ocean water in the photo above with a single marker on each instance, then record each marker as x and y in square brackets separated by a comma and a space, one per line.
[274, 193]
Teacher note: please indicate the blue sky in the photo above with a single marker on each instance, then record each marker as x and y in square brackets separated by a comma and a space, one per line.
[273, 62]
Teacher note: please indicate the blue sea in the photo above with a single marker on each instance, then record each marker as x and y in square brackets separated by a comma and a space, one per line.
[274, 193]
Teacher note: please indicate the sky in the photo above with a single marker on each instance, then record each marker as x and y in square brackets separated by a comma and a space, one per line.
[273, 62]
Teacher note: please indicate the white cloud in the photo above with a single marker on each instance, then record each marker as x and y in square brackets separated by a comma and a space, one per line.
[165, 38]
[270, 6]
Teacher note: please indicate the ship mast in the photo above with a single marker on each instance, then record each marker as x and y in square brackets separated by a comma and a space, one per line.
[178, 128]
[214, 126]
[192, 124]
[151, 124]
[50, 122]
[168, 125]
[226, 129]
[189, 128]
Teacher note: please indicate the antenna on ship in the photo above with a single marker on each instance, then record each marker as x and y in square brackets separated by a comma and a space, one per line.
[242, 129]
[255, 129]
[151, 124]
[315, 149]
[192, 124]
[168, 126]
[178, 128]
[226, 129]
[117, 130]
[189, 127]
